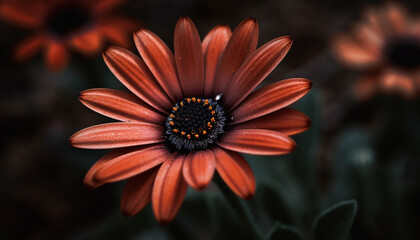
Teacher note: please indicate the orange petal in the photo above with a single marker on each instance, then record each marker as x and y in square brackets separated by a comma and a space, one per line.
[116, 135]
[396, 17]
[56, 56]
[124, 22]
[213, 46]
[138, 192]
[105, 5]
[115, 34]
[236, 172]
[160, 61]
[189, 58]
[199, 168]
[29, 47]
[257, 141]
[371, 41]
[241, 44]
[287, 121]
[271, 98]
[256, 68]
[88, 43]
[372, 19]
[124, 163]
[366, 86]
[134, 74]
[352, 53]
[394, 82]
[19, 15]
[169, 190]
[117, 29]
[120, 105]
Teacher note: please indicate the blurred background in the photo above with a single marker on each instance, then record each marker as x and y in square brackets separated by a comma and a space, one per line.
[363, 150]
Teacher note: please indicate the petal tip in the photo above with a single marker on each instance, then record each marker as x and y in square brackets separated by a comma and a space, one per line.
[308, 122]
[140, 32]
[110, 50]
[89, 185]
[200, 186]
[248, 196]
[306, 84]
[293, 146]
[126, 213]
[82, 95]
[106, 54]
[250, 22]
[183, 19]
[286, 41]
[71, 140]
[290, 38]
[251, 19]
[309, 83]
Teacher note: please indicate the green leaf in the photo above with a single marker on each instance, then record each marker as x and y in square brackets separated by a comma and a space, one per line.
[335, 222]
[284, 232]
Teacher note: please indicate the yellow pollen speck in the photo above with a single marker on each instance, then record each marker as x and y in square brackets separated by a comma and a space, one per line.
[210, 107]
[172, 123]
[182, 104]
[204, 132]
[206, 101]
[188, 136]
[175, 130]
[196, 135]
[188, 100]
[213, 112]
[212, 119]
[194, 99]
[199, 100]
[209, 125]
[183, 133]
[172, 116]
[175, 108]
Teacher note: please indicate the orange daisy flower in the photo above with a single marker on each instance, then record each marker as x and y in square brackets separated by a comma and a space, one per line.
[190, 114]
[66, 24]
[385, 46]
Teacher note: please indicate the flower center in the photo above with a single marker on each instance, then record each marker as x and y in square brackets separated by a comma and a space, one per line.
[195, 123]
[65, 19]
[403, 52]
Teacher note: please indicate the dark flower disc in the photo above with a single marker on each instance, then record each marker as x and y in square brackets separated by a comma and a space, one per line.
[195, 123]
[403, 52]
[67, 19]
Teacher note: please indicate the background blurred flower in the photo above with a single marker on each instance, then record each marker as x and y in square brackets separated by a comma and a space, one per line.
[191, 112]
[59, 26]
[385, 47]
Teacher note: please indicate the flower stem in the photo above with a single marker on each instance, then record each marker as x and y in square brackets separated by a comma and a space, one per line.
[240, 208]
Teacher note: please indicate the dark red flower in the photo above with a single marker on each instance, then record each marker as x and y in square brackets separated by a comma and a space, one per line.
[190, 114]
[385, 47]
[61, 25]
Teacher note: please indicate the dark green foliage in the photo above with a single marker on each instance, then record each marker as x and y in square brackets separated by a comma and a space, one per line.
[284, 232]
[335, 222]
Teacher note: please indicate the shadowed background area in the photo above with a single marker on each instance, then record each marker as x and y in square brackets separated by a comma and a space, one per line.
[364, 150]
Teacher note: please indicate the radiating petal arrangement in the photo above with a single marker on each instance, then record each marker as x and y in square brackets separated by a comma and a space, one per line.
[62, 26]
[385, 47]
[190, 114]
